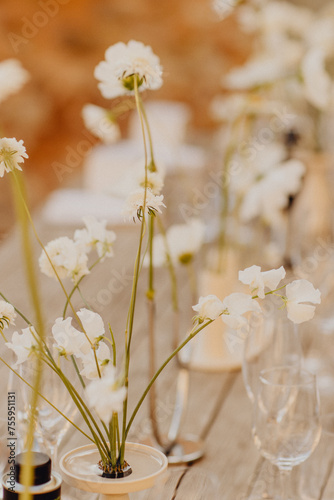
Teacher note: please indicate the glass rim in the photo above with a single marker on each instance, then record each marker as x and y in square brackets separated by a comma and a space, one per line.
[308, 377]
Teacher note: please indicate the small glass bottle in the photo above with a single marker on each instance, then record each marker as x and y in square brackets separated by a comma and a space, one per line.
[46, 484]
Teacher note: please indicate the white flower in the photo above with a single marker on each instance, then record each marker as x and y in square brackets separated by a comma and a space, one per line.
[258, 71]
[258, 280]
[298, 292]
[96, 235]
[269, 195]
[12, 152]
[105, 396]
[320, 35]
[316, 80]
[89, 363]
[69, 259]
[185, 240]
[92, 324]
[135, 203]
[159, 252]
[276, 62]
[154, 181]
[7, 314]
[123, 64]
[12, 77]
[23, 344]
[68, 339]
[231, 107]
[209, 307]
[181, 243]
[238, 304]
[100, 122]
[224, 7]
[284, 18]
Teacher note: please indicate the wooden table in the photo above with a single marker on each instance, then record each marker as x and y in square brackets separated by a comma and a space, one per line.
[218, 411]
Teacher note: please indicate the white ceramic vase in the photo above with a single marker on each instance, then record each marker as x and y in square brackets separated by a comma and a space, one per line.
[79, 469]
[218, 348]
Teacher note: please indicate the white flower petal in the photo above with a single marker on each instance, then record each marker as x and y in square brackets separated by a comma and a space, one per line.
[7, 314]
[92, 323]
[12, 77]
[303, 291]
[234, 322]
[298, 313]
[122, 62]
[104, 395]
[273, 277]
[209, 307]
[68, 257]
[240, 303]
[22, 344]
[98, 122]
[12, 152]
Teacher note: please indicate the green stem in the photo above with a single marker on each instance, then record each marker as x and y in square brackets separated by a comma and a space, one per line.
[16, 310]
[225, 196]
[192, 281]
[113, 346]
[130, 317]
[46, 400]
[150, 291]
[152, 166]
[78, 372]
[23, 215]
[153, 379]
[76, 286]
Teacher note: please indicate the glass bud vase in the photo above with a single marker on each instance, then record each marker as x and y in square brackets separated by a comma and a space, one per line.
[272, 340]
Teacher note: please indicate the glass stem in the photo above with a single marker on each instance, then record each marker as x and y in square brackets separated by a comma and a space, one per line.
[285, 483]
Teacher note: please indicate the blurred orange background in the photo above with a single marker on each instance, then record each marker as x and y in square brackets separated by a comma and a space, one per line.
[61, 41]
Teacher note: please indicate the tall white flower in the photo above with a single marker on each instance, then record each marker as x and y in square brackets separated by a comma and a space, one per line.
[238, 304]
[69, 340]
[92, 323]
[101, 123]
[135, 203]
[96, 235]
[23, 344]
[124, 63]
[185, 240]
[317, 83]
[258, 280]
[154, 181]
[68, 257]
[7, 314]
[181, 244]
[89, 369]
[105, 395]
[12, 152]
[209, 307]
[12, 77]
[270, 194]
[298, 292]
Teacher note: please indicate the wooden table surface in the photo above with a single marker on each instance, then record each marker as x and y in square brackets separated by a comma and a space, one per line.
[218, 411]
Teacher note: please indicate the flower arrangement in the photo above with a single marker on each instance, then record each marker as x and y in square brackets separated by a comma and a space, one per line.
[89, 344]
[275, 110]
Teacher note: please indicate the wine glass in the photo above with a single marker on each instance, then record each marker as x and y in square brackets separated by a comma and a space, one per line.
[286, 419]
[272, 340]
[51, 426]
